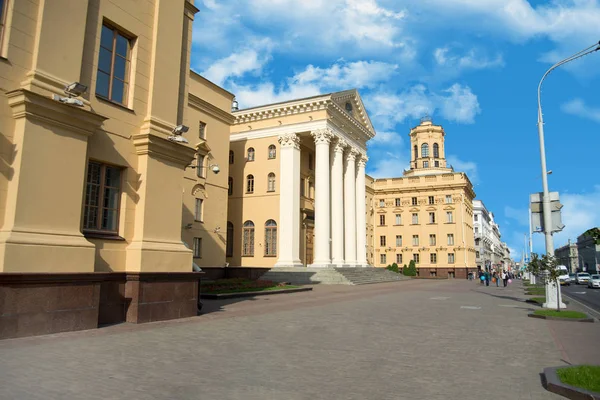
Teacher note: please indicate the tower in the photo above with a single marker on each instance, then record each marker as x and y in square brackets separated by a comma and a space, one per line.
[428, 155]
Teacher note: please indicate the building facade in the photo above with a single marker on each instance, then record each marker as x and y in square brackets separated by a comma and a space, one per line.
[427, 214]
[484, 235]
[96, 193]
[297, 184]
[588, 250]
[568, 256]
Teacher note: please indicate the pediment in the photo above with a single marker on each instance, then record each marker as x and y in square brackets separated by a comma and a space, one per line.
[398, 210]
[431, 208]
[359, 112]
[202, 147]
[199, 189]
[449, 208]
[414, 209]
[381, 211]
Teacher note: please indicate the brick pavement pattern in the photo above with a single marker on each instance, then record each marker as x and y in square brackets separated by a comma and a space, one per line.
[403, 340]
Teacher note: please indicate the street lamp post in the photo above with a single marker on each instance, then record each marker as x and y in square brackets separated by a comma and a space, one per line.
[551, 301]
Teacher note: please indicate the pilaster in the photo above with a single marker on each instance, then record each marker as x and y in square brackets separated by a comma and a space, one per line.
[350, 207]
[322, 202]
[361, 219]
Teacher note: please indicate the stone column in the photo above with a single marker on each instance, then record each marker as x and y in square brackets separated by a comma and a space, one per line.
[289, 202]
[337, 203]
[361, 219]
[322, 215]
[350, 207]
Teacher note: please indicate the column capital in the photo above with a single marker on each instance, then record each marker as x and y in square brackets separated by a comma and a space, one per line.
[340, 145]
[362, 160]
[352, 154]
[322, 135]
[289, 140]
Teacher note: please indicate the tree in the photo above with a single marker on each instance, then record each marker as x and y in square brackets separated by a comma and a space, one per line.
[594, 233]
[546, 268]
[412, 268]
[405, 270]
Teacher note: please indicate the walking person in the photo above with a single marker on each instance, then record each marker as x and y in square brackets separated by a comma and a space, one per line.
[487, 278]
[505, 278]
[496, 278]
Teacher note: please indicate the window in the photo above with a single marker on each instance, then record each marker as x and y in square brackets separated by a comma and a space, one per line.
[433, 258]
[102, 194]
[476, 230]
[198, 210]
[415, 218]
[436, 150]
[424, 150]
[202, 130]
[3, 7]
[436, 163]
[451, 239]
[432, 240]
[231, 157]
[271, 238]
[248, 237]
[229, 246]
[251, 154]
[450, 258]
[414, 201]
[381, 220]
[197, 247]
[476, 242]
[448, 199]
[416, 258]
[271, 182]
[476, 217]
[432, 218]
[398, 203]
[230, 186]
[310, 161]
[302, 187]
[398, 219]
[399, 258]
[381, 203]
[113, 65]
[272, 152]
[382, 259]
[200, 171]
[477, 254]
[311, 190]
[425, 164]
[382, 241]
[416, 150]
[398, 240]
[415, 240]
[250, 184]
[431, 200]
[449, 216]
[348, 107]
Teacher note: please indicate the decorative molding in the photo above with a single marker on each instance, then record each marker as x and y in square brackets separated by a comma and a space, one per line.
[340, 145]
[322, 136]
[161, 148]
[190, 9]
[289, 140]
[210, 109]
[352, 154]
[362, 162]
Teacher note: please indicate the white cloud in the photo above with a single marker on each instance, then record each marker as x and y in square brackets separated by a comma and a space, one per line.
[580, 213]
[387, 166]
[468, 167]
[473, 59]
[579, 108]
[517, 214]
[457, 103]
[347, 75]
[386, 138]
[266, 93]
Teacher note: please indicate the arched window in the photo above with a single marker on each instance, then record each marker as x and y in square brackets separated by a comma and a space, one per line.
[231, 157]
[229, 246]
[250, 184]
[248, 248]
[272, 152]
[251, 154]
[271, 183]
[424, 150]
[270, 238]
[230, 186]
[416, 152]
[436, 150]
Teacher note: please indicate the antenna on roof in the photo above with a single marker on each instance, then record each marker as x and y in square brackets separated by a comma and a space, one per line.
[426, 118]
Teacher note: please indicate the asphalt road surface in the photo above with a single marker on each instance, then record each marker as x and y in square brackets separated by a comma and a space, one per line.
[583, 294]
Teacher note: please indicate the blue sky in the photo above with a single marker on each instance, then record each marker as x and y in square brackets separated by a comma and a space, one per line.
[473, 65]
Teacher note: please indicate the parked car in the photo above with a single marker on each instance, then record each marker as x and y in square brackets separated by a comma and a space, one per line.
[563, 278]
[582, 277]
[572, 278]
[594, 281]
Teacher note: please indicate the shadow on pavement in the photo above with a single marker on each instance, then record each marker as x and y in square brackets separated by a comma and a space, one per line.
[506, 297]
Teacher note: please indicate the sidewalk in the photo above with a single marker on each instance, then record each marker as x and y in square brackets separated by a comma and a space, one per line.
[403, 340]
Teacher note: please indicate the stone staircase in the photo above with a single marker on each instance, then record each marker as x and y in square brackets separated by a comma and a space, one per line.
[332, 276]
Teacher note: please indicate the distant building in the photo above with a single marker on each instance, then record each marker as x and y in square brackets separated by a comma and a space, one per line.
[589, 253]
[483, 231]
[426, 215]
[568, 255]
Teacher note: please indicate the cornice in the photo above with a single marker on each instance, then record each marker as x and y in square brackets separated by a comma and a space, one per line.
[212, 110]
[190, 9]
[161, 148]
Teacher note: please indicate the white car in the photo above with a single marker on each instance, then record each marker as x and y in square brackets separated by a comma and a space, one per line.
[594, 281]
[582, 277]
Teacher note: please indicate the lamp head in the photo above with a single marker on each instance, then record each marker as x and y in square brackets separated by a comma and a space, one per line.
[180, 130]
[75, 89]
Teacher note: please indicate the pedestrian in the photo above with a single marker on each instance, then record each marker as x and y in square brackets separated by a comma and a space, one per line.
[505, 278]
[496, 278]
[487, 278]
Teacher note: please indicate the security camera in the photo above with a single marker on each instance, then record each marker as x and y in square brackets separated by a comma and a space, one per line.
[215, 169]
[180, 129]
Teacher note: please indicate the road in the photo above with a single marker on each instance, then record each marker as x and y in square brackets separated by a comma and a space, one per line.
[585, 295]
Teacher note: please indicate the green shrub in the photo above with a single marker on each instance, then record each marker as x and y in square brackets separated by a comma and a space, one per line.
[393, 268]
[405, 270]
[412, 269]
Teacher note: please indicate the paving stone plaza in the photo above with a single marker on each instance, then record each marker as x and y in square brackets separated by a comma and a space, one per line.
[418, 339]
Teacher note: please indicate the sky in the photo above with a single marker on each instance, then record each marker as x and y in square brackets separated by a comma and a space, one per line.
[472, 65]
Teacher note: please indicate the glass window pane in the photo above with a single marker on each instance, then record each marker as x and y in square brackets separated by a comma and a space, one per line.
[122, 45]
[106, 37]
[91, 218]
[117, 90]
[120, 67]
[112, 177]
[111, 198]
[102, 84]
[109, 220]
[104, 60]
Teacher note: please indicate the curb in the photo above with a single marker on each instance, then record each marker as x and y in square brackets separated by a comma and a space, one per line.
[560, 318]
[249, 294]
[553, 384]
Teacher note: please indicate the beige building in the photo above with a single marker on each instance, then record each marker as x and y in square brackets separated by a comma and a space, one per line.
[297, 183]
[95, 190]
[427, 214]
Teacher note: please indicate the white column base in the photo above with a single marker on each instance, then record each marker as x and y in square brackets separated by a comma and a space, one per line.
[289, 264]
[551, 298]
[321, 265]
